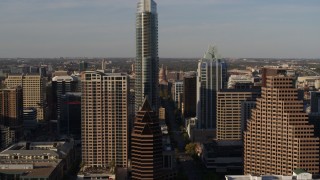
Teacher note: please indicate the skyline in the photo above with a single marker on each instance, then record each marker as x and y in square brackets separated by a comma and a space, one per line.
[105, 28]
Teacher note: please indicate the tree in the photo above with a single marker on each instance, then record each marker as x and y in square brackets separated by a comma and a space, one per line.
[112, 166]
[181, 176]
[191, 149]
[210, 176]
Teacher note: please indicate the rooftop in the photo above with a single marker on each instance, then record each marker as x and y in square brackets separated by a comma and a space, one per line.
[34, 170]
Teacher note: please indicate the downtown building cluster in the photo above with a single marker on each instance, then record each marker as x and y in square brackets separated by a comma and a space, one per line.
[255, 123]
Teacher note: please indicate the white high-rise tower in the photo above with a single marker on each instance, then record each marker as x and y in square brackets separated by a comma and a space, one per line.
[147, 60]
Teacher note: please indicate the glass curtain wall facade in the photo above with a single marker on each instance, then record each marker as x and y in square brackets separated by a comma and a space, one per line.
[147, 60]
[212, 76]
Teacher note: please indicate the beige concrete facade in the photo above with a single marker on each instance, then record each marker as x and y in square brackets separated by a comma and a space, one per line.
[11, 110]
[34, 92]
[162, 113]
[229, 113]
[11, 107]
[104, 105]
[279, 138]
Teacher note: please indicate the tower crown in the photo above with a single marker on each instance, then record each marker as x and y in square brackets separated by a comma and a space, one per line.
[146, 105]
[147, 6]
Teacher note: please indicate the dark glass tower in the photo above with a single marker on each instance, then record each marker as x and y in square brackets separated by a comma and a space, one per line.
[147, 60]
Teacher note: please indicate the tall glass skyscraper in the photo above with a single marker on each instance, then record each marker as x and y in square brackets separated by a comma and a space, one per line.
[147, 60]
[212, 76]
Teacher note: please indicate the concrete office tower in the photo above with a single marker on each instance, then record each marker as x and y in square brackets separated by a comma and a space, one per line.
[103, 64]
[11, 110]
[177, 90]
[147, 60]
[34, 91]
[279, 138]
[104, 108]
[212, 76]
[60, 86]
[189, 95]
[229, 112]
[146, 145]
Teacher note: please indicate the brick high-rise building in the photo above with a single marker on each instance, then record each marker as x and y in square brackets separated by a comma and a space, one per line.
[34, 92]
[279, 138]
[11, 107]
[146, 145]
[11, 111]
[104, 108]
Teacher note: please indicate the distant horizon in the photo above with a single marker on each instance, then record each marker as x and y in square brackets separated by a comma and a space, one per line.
[106, 58]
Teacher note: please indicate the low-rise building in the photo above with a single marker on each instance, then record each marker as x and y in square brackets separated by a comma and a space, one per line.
[223, 156]
[29, 119]
[298, 174]
[91, 173]
[7, 136]
[36, 160]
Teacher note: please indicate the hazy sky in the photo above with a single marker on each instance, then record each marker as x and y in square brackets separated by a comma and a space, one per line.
[106, 28]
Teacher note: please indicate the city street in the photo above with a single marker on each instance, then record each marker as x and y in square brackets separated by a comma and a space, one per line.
[189, 166]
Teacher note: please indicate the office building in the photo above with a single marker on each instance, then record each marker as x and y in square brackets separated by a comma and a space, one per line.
[212, 76]
[229, 112]
[315, 101]
[11, 109]
[146, 145]
[222, 156]
[43, 71]
[34, 70]
[235, 80]
[164, 85]
[131, 105]
[189, 95]
[29, 118]
[298, 174]
[103, 64]
[279, 138]
[7, 137]
[177, 90]
[37, 160]
[83, 66]
[34, 92]
[273, 71]
[70, 115]
[60, 86]
[246, 107]
[162, 114]
[175, 76]
[147, 60]
[104, 114]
